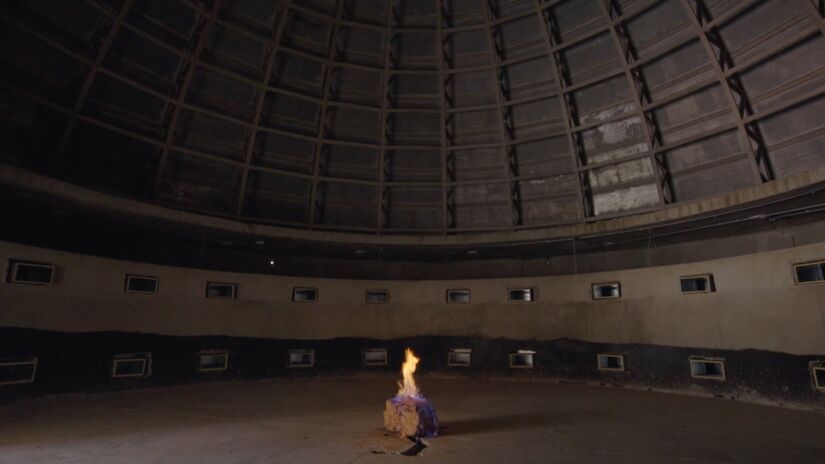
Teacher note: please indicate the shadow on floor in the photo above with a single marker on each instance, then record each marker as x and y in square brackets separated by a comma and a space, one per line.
[499, 423]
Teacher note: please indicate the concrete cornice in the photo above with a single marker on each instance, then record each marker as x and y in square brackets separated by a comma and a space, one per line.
[39, 184]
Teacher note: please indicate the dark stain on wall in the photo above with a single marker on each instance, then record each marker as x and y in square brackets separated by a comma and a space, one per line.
[82, 362]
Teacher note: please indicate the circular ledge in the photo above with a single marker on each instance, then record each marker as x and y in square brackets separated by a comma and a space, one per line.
[36, 183]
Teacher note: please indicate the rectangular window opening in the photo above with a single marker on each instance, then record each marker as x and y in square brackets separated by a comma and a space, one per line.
[141, 284]
[131, 365]
[458, 296]
[213, 361]
[304, 294]
[301, 358]
[522, 359]
[607, 291]
[809, 273]
[378, 296]
[610, 362]
[707, 368]
[520, 295]
[818, 374]
[221, 290]
[374, 357]
[17, 370]
[697, 284]
[21, 272]
[460, 357]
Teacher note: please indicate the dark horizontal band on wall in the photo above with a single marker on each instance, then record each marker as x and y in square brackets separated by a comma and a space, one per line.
[82, 362]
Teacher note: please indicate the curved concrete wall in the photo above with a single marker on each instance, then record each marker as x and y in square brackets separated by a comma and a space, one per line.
[756, 305]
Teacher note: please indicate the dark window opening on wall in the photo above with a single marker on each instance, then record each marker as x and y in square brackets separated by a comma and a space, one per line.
[131, 366]
[213, 361]
[607, 291]
[221, 290]
[378, 296]
[30, 273]
[704, 368]
[374, 357]
[818, 374]
[300, 358]
[304, 294]
[522, 359]
[17, 370]
[521, 295]
[459, 357]
[610, 362]
[810, 273]
[697, 284]
[458, 296]
[141, 284]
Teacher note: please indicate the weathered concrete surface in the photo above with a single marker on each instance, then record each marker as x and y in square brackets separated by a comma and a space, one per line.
[339, 421]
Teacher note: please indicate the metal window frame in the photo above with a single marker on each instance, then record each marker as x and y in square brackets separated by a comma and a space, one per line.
[809, 263]
[464, 351]
[522, 353]
[291, 365]
[146, 371]
[601, 356]
[224, 354]
[20, 362]
[711, 284]
[234, 287]
[454, 290]
[603, 284]
[386, 291]
[532, 291]
[367, 363]
[694, 360]
[14, 265]
[295, 290]
[129, 278]
[817, 367]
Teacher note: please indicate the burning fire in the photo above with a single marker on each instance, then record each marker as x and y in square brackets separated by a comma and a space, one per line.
[409, 413]
[408, 388]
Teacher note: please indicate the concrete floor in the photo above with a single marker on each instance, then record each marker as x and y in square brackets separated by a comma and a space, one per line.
[339, 421]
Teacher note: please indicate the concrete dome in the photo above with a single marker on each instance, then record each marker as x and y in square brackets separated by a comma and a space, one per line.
[434, 118]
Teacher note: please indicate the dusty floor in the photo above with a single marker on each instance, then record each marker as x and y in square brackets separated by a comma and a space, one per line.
[338, 421]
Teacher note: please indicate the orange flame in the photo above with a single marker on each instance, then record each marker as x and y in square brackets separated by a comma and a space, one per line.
[408, 388]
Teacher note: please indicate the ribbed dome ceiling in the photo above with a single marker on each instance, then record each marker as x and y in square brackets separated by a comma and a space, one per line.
[432, 116]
